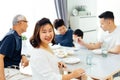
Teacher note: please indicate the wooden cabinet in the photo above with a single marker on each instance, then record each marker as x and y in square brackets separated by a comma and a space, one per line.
[88, 24]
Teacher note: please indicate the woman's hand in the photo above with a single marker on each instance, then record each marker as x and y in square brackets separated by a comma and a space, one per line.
[61, 65]
[77, 73]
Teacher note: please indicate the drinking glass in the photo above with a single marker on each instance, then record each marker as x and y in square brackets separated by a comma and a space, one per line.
[89, 59]
[104, 49]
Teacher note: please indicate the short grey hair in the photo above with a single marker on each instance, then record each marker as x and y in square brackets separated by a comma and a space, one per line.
[18, 18]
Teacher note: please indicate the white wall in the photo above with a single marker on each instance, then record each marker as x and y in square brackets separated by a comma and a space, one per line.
[111, 5]
[85, 23]
[32, 9]
[91, 5]
[97, 7]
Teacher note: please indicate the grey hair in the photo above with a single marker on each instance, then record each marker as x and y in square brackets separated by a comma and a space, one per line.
[18, 18]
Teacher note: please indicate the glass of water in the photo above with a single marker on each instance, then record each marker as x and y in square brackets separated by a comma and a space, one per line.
[104, 49]
[89, 59]
[104, 53]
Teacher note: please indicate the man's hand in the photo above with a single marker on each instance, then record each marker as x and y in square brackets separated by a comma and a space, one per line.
[80, 41]
[24, 61]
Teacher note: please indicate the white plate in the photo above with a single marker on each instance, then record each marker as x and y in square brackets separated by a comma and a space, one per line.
[69, 52]
[75, 49]
[61, 55]
[55, 46]
[72, 48]
[71, 60]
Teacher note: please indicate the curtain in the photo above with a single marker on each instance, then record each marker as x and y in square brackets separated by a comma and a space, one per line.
[61, 10]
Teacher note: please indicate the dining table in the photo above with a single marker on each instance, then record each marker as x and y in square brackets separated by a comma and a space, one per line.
[99, 67]
[96, 66]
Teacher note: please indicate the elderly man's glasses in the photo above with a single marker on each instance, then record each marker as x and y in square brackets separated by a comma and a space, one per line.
[23, 21]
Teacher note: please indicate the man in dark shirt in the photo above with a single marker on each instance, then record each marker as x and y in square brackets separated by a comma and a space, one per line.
[64, 38]
[10, 49]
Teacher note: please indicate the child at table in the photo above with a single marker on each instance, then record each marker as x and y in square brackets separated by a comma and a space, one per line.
[44, 63]
[76, 35]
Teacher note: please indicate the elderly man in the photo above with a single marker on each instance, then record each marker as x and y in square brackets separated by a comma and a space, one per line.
[10, 51]
[110, 41]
